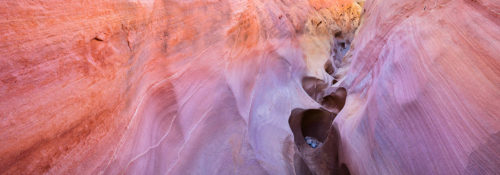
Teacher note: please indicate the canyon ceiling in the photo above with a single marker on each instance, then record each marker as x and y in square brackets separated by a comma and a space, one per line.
[250, 87]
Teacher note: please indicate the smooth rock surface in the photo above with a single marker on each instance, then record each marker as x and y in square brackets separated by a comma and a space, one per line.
[207, 87]
[423, 89]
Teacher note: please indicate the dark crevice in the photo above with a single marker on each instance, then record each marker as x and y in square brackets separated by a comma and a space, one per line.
[316, 123]
[334, 81]
[313, 123]
[344, 170]
[338, 34]
[342, 45]
[316, 137]
[97, 38]
[329, 68]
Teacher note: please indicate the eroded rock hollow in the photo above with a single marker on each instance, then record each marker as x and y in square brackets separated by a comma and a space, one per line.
[250, 87]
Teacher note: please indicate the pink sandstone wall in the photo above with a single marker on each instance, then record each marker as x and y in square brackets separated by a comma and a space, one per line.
[210, 86]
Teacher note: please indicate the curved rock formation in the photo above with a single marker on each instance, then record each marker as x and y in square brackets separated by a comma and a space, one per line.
[423, 89]
[234, 87]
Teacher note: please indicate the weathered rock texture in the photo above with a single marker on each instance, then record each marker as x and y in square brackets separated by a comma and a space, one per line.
[423, 89]
[232, 87]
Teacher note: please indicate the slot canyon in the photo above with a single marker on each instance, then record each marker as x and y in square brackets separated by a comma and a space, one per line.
[250, 87]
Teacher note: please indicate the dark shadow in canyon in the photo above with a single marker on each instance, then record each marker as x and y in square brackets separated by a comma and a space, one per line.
[316, 138]
[318, 124]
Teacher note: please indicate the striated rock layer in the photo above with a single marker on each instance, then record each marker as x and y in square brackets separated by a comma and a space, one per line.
[423, 85]
[158, 87]
[234, 87]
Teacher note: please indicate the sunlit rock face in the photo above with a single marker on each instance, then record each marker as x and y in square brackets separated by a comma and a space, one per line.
[235, 87]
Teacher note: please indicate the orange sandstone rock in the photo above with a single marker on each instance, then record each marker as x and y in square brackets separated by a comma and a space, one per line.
[232, 87]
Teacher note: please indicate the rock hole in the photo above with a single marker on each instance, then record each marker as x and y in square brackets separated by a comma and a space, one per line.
[338, 34]
[316, 138]
[315, 124]
[310, 127]
[335, 101]
[329, 67]
[342, 45]
[314, 87]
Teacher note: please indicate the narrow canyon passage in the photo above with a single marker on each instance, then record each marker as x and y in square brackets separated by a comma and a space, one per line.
[250, 87]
